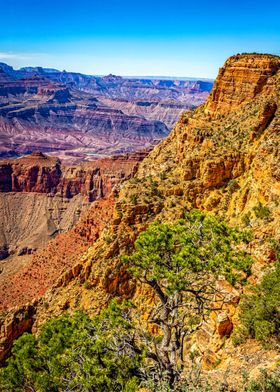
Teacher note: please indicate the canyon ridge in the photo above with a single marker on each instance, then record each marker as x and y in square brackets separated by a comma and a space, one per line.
[221, 158]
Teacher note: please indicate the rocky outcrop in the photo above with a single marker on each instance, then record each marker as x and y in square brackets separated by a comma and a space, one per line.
[219, 158]
[14, 325]
[241, 79]
[43, 174]
[34, 173]
[39, 197]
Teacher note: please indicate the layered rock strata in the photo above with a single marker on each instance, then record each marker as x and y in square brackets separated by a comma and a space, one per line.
[39, 197]
[43, 174]
[222, 158]
[77, 117]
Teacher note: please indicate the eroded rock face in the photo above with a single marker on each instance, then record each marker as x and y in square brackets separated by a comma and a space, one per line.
[241, 79]
[43, 174]
[13, 326]
[75, 116]
[39, 197]
[224, 324]
[29, 220]
[34, 173]
[212, 162]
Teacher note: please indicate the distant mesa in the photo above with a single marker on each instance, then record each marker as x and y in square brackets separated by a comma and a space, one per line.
[112, 78]
[38, 154]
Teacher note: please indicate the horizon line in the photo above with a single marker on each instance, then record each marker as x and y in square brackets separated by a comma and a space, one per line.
[149, 77]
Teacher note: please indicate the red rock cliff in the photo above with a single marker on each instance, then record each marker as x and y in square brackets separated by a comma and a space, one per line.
[42, 174]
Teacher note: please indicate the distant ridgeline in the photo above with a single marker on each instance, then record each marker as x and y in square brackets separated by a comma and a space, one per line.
[189, 251]
[52, 111]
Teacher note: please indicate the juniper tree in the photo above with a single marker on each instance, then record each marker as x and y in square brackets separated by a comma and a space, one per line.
[181, 262]
[75, 353]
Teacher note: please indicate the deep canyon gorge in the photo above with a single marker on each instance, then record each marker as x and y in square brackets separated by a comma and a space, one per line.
[68, 218]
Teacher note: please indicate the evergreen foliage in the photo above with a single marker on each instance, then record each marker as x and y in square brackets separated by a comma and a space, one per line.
[114, 351]
[260, 310]
[74, 353]
[181, 263]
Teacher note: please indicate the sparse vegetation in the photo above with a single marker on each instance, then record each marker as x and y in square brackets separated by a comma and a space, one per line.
[265, 382]
[116, 352]
[163, 176]
[232, 185]
[246, 219]
[262, 212]
[133, 198]
[260, 310]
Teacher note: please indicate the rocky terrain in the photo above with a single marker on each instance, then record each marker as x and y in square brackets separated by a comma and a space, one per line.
[77, 117]
[37, 114]
[40, 199]
[222, 157]
[185, 91]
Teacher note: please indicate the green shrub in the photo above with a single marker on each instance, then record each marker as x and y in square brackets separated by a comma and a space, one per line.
[134, 199]
[232, 185]
[246, 219]
[262, 212]
[260, 310]
[73, 353]
[163, 176]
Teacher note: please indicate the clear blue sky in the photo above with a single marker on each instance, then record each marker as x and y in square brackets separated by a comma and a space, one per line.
[131, 37]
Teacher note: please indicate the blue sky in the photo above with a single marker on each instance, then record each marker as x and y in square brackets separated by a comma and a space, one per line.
[147, 37]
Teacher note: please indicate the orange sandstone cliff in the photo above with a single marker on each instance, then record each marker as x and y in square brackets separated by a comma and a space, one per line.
[223, 158]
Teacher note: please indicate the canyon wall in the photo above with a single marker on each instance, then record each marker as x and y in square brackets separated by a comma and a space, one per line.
[40, 173]
[222, 157]
[40, 197]
[224, 163]
[239, 81]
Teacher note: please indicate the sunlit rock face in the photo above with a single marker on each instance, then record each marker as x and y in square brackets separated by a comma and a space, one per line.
[223, 158]
[240, 80]
[75, 116]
